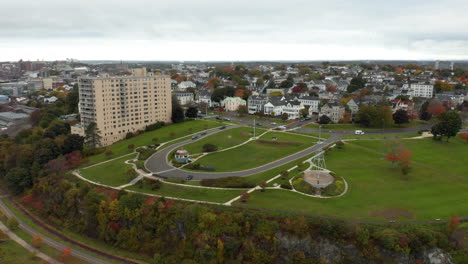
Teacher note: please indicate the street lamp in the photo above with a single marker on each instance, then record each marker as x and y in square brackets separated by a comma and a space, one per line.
[320, 135]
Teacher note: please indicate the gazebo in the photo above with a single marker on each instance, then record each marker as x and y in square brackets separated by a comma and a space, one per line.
[318, 178]
[182, 156]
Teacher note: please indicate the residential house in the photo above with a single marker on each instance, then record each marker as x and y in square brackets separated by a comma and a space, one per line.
[255, 104]
[231, 104]
[183, 86]
[310, 101]
[353, 106]
[334, 111]
[184, 98]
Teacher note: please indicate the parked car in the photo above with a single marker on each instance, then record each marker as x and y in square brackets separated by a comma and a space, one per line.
[259, 124]
[223, 127]
[273, 123]
[282, 127]
[359, 132]
[219, 118]
[195, 136]
[302, 120]
[189, 177]
[308, 118]
[227, 119]
[203, 133]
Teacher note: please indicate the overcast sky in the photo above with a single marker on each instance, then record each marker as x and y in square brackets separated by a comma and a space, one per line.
[233, 29]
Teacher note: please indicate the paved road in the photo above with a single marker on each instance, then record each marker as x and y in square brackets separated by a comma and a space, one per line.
[158, 163]
[50, 242]
[368, 131]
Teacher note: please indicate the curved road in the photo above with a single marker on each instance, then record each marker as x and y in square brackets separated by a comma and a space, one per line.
[159, 164]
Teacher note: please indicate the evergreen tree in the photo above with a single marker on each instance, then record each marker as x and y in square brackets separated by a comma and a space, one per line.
[92, 136]
[177, 111]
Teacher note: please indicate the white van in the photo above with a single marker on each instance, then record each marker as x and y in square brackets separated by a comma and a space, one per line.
[359, 132]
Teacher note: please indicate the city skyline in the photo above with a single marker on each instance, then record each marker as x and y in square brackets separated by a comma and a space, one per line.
[240, 31]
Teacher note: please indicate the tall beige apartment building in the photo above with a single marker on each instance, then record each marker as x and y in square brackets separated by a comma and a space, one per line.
[122, 104]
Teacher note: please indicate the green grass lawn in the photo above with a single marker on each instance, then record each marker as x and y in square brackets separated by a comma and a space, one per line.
[381, 136]
[112, 173]
[11, 252]
[193, 193]
[224, 139]
[255, 153]
[378, 192]
[357, 126]
[163, 134]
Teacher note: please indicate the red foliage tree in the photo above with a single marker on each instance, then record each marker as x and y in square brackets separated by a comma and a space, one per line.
[435, 109]
[66, 252]
[464, 136]
[74, 159]
[453, 224]
[239, 93]
[331, 88]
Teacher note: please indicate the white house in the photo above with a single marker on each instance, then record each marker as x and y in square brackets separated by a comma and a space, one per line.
[232, 103]
[185, 85]
[184, 98]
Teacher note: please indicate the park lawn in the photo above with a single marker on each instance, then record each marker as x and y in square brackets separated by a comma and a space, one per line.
[412, 123]
[163, 134]
[254, 153]
[12, 252]
[376, 191]
[224, 139]
[192, 193]
[381, 136]
[433, 154]
[112, 173]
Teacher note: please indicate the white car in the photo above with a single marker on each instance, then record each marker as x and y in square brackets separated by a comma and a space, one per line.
[359, 132]
[273, 123]
[282, 127]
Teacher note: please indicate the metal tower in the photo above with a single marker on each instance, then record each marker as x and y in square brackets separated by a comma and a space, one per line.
[319, 161]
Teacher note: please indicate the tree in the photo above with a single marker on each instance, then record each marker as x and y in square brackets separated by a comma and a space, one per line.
[37, 241]
[92, 136]
[453, 224]
[331, 88]
[242, 110]
[440, 86]
[244, 197]
[192, 112]
[449, 125]
[109, 153]
[464, 136]
[400, 117]
[177, 111]
[203, 106]
[56, 129]
[284, 116]
[12, 223]
[72, 143]
[304, 112]
[356, 84]
[435, 108]
[18, 180]
[346, 118]
[323, 120]
[263, 185]
[131, 146]
[66, 252]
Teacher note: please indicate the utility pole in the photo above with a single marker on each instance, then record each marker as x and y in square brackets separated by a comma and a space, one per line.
[254, 126]
[320, 135]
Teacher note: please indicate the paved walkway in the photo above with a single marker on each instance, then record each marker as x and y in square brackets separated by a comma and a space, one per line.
[28, 247]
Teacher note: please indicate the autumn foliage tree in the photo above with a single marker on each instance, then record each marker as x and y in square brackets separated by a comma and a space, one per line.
[464, 136]
[66, 252]
[244, 197]
[453, 224]
[435, 109]
[399, 154]
[37, 241]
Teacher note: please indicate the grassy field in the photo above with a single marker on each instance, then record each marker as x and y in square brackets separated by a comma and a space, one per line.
[224, 139]
[256, 153]
[193, 193]
[163, 134]
[413, 123]
[11, 252]
[381, 136]
[112, 173]
[435, 188]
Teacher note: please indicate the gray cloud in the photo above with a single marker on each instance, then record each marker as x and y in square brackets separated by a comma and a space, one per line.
[429, 28]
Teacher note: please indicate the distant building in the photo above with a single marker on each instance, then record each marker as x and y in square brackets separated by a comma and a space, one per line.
[333, 110]
[182, 156]
[444, 65]
[184, 98]
[122, 104]
[425, 90]
[310, 101]
[353, 106]
[185, 85]
[231, 104]
[255, 104]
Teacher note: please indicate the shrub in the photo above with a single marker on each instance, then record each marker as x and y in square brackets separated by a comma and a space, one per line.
[339, 144]
[286, 186]
[208, 147]
[109, 153]
[145, 154]
[154, 126]
[12, 223]
[228, 182]
[336, 188]
[131, 146]
[129, 135]
[244, 197]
